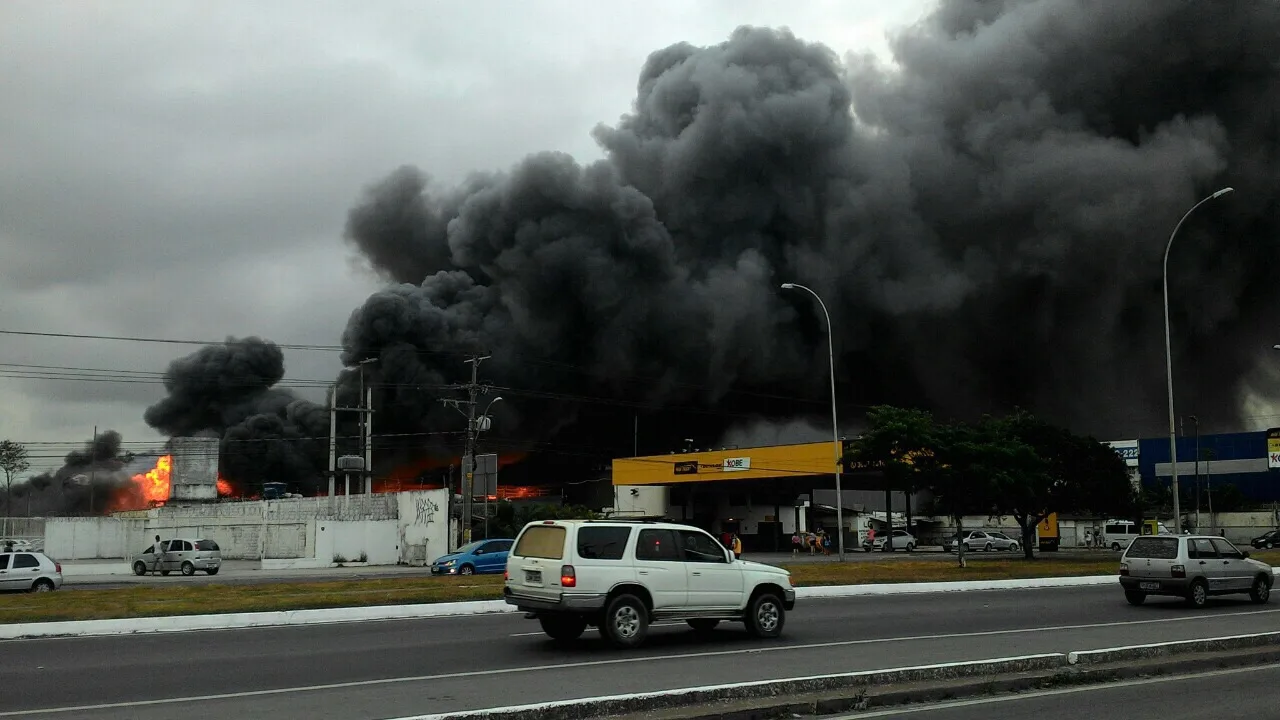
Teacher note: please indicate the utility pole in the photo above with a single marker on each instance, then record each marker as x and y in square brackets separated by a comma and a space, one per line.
[474, 390]
[93, 469]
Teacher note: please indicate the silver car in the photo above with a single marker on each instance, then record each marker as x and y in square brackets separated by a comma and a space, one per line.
[1193, 567]
[181, 554]
[987, 540]
[29, 571]
[902, 540]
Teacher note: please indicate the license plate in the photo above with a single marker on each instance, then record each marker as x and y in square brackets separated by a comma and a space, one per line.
[1149, 585]
[533, 576]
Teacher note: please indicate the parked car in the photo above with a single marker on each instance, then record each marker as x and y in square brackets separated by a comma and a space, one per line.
[181, 554]
[29, 571]
[1117, 534]
[1266, 540]
[986, 540]
[480, 557]
[902, 540]
[621, 576]
[1194, 567]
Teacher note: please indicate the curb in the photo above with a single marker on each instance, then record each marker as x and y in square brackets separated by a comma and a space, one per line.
[281, 618]
[1167, 649]
[762, 689]
[851, 691]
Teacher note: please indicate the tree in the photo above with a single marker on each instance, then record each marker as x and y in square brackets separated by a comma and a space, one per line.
[13, 461]
[968, 472]
[899, 443]
[1074, 474]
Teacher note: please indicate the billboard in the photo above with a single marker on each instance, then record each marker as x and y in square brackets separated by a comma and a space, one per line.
[1273, 448]
[1127, 450]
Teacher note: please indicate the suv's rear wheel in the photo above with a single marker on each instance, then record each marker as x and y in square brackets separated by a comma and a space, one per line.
[1261, 590]
[765, 616]
[704, 624]
[563, 627]
[626, 621]
[1198, 595]
[1135, 597]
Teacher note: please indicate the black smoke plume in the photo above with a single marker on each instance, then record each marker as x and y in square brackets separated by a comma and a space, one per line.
[88, 480]
[268, 434]
[985, 220]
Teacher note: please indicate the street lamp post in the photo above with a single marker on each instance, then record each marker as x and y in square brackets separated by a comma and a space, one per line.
[1168, 359]
[835, 425]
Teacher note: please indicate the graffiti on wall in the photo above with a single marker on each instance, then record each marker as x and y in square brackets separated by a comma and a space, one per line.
[426, 511]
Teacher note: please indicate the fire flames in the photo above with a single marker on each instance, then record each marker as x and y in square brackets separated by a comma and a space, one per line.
[151, 488]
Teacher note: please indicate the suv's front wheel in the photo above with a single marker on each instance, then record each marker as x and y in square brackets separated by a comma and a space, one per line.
[765, 616]
[563, 627]
[626, 622]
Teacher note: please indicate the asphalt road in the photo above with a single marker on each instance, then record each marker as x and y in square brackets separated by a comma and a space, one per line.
[1238, 693]
[369, 671]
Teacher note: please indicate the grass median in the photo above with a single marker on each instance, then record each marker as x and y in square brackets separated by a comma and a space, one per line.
[158, 599]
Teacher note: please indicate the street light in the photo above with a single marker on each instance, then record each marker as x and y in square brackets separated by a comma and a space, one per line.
[835, 425]
[1168, 358]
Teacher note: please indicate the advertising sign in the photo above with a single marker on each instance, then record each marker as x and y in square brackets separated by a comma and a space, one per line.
[1273, 448]
[1127, 450]
[736, 464]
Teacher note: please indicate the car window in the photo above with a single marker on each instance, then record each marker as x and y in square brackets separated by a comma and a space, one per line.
[603, 543]
[1200, 549]
[1155, 548]
[978, 535]
[25, 560]
[541, 541]
[701, 547]
[503, 546]
[207, 545]
[657, 545]
[4, 562]
[1226, 550]
[148, 550]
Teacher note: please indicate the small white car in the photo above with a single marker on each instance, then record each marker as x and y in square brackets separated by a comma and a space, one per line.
[621, 576]
[29, 571]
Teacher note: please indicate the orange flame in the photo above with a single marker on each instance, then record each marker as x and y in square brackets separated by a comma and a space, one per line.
[224, 488]
[154, 483]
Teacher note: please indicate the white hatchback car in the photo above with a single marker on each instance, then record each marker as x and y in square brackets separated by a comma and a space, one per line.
[620, 576]
[30, 571]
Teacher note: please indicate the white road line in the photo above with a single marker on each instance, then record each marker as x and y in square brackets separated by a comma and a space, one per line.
[953, 704]
[613, 661]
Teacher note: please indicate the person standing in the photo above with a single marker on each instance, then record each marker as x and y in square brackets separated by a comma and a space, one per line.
[795, 543]
[159, 552]
[737, 547]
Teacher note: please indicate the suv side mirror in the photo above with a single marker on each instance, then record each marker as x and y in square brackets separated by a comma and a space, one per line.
[728, 556]
[1245, 553]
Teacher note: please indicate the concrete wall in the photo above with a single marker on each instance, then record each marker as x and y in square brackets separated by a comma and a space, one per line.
[641, 500]
[373, 541]
[79, 538]
[423, 526]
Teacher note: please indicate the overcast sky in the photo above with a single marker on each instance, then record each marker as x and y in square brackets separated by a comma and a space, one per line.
[183, 169]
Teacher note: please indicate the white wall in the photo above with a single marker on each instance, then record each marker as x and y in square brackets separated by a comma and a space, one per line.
[93, 537]
[373, 541]
[423, 526]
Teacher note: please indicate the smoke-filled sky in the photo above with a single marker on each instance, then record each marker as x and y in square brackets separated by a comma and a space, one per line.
[182, 169]
[984, 216]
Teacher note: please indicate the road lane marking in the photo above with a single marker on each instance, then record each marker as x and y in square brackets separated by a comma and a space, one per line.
[612, 661]
[1032, 695]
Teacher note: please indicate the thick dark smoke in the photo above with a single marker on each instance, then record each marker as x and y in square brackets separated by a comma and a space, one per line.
[86, 482]
[268, 434]
[985, 221]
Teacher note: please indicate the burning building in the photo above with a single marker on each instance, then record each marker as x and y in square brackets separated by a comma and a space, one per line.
[194, 473]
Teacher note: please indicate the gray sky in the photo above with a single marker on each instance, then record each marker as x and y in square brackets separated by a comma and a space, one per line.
[183, 169]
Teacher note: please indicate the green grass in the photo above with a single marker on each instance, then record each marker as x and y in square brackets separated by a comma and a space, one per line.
[157, 600]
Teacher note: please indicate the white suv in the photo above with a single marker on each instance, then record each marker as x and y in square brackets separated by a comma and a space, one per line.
[620, 576]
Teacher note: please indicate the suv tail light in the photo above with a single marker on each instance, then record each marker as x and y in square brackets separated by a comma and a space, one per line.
[568, 578]
[58, 567]
[506, 575]
[1124, 568]
[1178, 571]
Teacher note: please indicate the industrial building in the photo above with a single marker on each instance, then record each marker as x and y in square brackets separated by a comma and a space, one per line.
[764, 494]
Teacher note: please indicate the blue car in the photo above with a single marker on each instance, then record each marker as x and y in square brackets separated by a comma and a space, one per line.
[482, 556]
